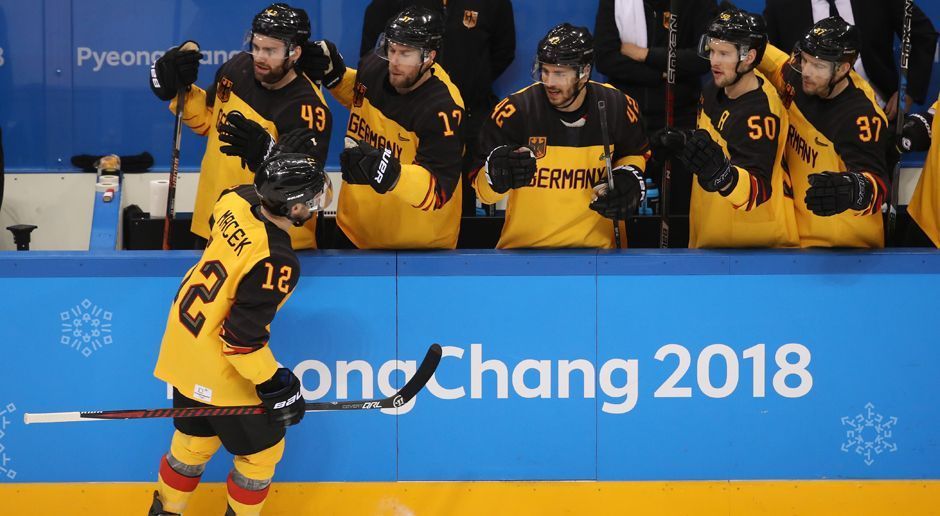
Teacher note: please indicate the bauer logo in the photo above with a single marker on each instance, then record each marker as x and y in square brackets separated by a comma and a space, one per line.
[6, 461]
[86, 328]
[869, 434]
[97, 60]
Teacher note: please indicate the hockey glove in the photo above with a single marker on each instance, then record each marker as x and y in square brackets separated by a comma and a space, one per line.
[300, 140]
[668, 143]
[708, 162]
[629, 191]
[363, 164]
[321, 61]
[281, 398]
[831, 193]
[174, 70]
[508, 167]
[246, 139]
[916, 133]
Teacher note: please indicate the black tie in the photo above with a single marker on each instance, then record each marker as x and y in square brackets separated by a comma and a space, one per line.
[832, 8]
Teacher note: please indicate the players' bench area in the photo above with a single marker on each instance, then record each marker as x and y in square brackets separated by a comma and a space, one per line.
[731, 382]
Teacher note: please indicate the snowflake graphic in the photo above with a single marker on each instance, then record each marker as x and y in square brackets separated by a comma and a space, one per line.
[5, 459]
[868, 433]
[86, 328]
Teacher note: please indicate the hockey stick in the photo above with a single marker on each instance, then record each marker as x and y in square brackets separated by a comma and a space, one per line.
[670, 120]
[902, 93]
[175, 158]
[409, 391]
[605, 138]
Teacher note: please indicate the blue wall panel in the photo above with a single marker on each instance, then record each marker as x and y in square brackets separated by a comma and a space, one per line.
[81, 331]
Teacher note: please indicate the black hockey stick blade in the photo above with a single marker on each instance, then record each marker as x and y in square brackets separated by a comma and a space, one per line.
[404, 395]
[409, 391]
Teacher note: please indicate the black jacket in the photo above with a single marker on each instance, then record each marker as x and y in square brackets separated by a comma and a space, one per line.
[878, 21]
[645, 82]
[477, 47]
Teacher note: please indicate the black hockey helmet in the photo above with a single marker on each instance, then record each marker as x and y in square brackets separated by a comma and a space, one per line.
[831, 39]
[417, 27]
[566, 45]
[283, 22]
[288, 179]
[746, 30]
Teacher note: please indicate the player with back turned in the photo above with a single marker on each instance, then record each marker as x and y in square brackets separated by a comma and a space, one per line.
[836, 140]
[543, 147]
[215, 348]
[257, 97]
[742, 195]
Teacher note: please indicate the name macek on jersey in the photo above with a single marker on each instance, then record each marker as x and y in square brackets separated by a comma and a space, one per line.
[236, 238]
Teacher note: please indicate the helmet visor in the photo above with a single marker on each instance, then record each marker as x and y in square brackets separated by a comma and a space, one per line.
[399, 53]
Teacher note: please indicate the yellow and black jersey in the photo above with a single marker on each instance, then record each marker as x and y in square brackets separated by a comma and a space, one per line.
[925, 202]
[552, 211]
[758, 209]
[298, 104]
[422, 128]
[215, 347]
[845, 133]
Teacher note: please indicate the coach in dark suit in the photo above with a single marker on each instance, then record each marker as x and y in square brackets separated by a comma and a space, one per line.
[878, 21]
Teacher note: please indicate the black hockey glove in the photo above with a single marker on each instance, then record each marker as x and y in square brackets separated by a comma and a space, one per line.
[174, 70]
[831, 193]
[246, 139]
[281, 398]
[916, 133]
[363, 164]
[629, 191]
[300, 140]
[706, 159]
[506, 167]
[668, 143]
[321, 61]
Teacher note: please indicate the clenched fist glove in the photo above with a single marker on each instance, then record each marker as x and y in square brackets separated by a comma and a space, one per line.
[509, 166]
[363, 164]
[621, 202]
[916, 133]
[831, 193]
[175, 70]
[668, 143]
[281, 398]
[706, 159]
[300, 140]
[246, 139]
[321, 61]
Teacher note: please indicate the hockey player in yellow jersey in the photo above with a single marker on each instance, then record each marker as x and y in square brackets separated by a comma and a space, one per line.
[836, 140]
[401, 165]
[742, 196]
[255, 98]
[215, 348]
[924, 206]
[542, 147]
